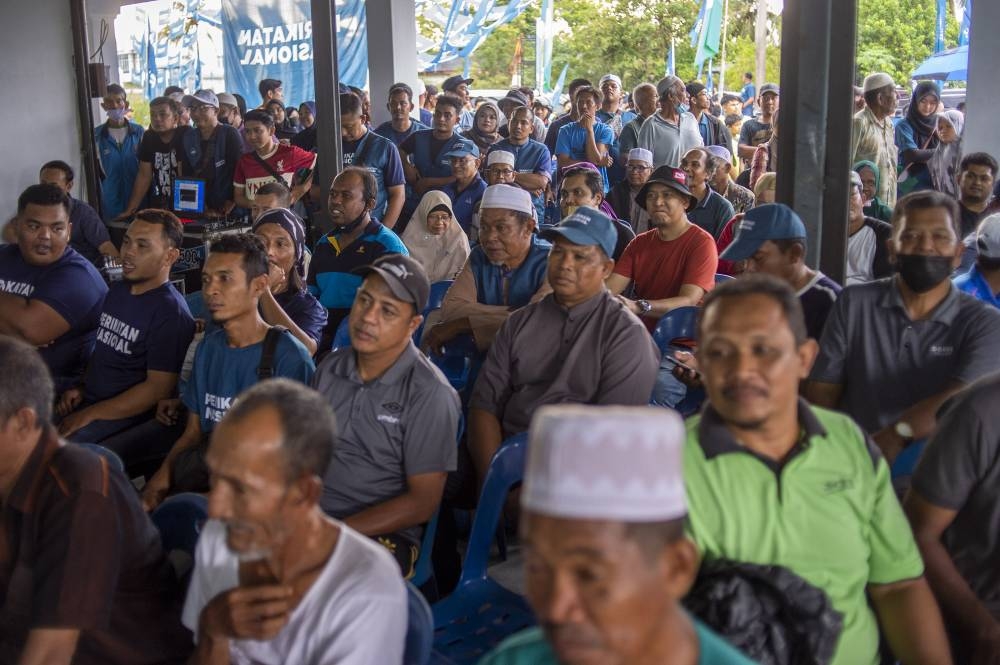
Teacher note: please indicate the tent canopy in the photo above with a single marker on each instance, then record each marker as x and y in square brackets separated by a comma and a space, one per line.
[950, 65]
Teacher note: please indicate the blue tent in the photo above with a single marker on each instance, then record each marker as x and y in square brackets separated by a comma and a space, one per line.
[950, 65]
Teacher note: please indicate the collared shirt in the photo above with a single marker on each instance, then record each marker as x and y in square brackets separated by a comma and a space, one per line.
[711, 213]
[669, 141]
[827, 512]
[404, 423]
[388, 131]
[872, 347]
[874, 140]
[78, 551]
[976, 285]
[594, 353]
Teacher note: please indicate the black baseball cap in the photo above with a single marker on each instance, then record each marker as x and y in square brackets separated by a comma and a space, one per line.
[405, 277]
[452, 82]
[671, 177]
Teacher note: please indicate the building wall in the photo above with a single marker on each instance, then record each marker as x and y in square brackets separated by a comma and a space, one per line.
[983, 95]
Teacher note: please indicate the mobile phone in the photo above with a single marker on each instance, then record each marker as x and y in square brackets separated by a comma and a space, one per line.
[302, 175]
[256, 572]
[678, 363]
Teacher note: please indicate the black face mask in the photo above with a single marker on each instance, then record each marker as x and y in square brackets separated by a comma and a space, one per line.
[922, 273]
[351, 226]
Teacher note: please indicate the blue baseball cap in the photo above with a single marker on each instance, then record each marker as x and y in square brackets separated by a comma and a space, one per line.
[463, 149]
[586, 226]
[772, 221]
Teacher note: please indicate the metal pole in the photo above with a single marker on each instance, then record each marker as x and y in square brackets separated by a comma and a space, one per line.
[725, 35]
[327, 77]
[78, 18]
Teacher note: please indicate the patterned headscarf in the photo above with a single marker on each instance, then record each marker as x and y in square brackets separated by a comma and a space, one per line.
[293, 226]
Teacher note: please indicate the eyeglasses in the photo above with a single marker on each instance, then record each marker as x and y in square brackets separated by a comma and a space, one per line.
[200, 107]
[636, 168]
[503, 172]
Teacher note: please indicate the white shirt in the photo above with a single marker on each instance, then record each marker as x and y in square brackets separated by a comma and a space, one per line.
[353, 614]
[860, 256]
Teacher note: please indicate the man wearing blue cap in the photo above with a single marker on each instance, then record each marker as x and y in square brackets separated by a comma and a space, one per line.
[467, 189]
[579, 344]
[772, 240]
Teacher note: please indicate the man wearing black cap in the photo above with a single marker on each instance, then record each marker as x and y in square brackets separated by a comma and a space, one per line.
[758, 130]
[399, 415]
[459, 86]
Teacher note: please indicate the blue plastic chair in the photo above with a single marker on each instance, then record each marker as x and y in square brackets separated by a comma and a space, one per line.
[680, 324]
[434, 300]
[179, 520]
[457, 360]
[720, 278]
[419, 629]
[342, 337]
[114, 461]
[480, 613]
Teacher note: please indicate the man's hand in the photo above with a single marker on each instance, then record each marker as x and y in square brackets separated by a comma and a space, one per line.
[155, 491]
[247, 613]
[889, 442]
[436, 337]
[277, 278]
[587, 122]
[168, 411]
[68, 401]
[689, 377]
[125, 216]
[76, 421]
[607, 161]
[630, 305]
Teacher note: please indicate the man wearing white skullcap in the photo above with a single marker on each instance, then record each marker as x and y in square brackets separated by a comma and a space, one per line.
[873, 136]
[622, 196]
[606, 558]
[500, 168]
[505, 271]
[772, 480]
[532, 160]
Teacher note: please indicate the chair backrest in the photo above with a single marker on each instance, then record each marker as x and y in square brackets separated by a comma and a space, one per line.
[434, 301]
[678, 323]
[419, 629]
[179, 520]
[720, 278]
[342, 337]
[113, 459]
[506, 470]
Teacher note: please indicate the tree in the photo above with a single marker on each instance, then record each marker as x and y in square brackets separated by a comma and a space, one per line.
[894, 36]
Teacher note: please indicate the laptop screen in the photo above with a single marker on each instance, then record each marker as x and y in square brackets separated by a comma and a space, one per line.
[189, 195]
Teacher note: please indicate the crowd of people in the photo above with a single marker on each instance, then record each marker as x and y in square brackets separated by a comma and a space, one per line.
[299, 390]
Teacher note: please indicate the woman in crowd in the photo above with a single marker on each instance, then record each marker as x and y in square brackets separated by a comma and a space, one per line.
[874, 207]
[283, 129]
[435, 239]
[943, 164]
[307, 114]
[916, 138]
[485, 130]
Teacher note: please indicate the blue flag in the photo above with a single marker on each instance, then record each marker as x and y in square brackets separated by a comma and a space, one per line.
[557, 90]
[963, 33]
[149, 45]
[939, 25]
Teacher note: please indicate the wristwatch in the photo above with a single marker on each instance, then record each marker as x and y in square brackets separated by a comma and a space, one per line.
[904, 430]
[644, 306]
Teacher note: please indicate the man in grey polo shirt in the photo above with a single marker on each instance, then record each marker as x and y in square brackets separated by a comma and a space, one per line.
[894, 350]
[578, 344]
[399, 415]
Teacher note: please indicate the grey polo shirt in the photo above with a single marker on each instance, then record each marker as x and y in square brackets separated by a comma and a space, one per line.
[403, 423]
[887, 362]
[958, 471]
[712, 213]
[594, 353]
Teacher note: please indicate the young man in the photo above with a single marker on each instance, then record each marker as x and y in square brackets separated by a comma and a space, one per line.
[774, 481]
[160, 155]
[212, 152]
[458, 86]
[84, 576]
[228, 360]
[118, 142]
[399, 416]
[364, 148]
[741, 198]
[711, 212]
[270, 161]
[144, 334]
[731, 105]
[614, 114]
[581, 187]
[532, 160]
[50, 296]
[670, 132]
[586, 139]
[712, 130]
[424, 163]
[467, 190]
[276, 580]
[867, 240]
[400, 106]
[88, 234]
[976, 175]
[756, 131]
[552, 133]
[615, 523]
[873, 137]
[748, 94]
[270, 89]
[983, 279]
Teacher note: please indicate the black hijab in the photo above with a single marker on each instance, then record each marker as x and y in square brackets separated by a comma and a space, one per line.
[923, 126]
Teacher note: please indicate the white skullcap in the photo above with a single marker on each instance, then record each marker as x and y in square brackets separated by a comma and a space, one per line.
[507, 197]
[877, 81]
[500, 157]
[641, 155]
[605, 463]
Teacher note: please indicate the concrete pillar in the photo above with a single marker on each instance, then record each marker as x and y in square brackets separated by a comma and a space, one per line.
[983, 96]
[392, 50]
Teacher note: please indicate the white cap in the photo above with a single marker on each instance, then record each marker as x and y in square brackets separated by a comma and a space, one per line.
[640, 155]
[988, 237]
[507, 197]
[877, 80]
[605, 463]
[500, 157]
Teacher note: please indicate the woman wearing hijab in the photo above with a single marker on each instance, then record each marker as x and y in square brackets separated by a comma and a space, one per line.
[284, 130]
[435, 239]
[307, 114]
[916, 139]
[943, 164]
[485, 130]
[287, 302]
[306, 139]
[874, 207]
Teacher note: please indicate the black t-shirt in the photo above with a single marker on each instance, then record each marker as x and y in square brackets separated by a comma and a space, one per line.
[165, 157]
[817, 300]
[970, 219]
[755, 132]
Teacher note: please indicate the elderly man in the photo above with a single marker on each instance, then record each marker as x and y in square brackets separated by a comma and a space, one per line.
[500, 168]
[867, 240]
[399, 417]
[757, 450]
[644, 100]
[276, 580]
[505, 271]
[618, 520]
[741, 198]
[532, 161]
[50, 296]
[873, 137]
[712, 211]
[669, 133]
[400, 106]
[84, 576]
[467, 189]
[622, 196]
[913, 340]
[363, 147]
[578, 344]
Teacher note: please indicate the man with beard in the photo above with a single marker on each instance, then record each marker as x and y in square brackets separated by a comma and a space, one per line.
[160, 154]
[912, 340]
[228, 360]
[276, 580]
[145, 329]
[873, 137]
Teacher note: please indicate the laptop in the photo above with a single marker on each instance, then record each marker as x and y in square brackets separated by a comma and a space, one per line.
[189, 199]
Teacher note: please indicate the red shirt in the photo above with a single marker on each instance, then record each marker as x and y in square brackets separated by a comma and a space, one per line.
[285, 161]
[725, 240]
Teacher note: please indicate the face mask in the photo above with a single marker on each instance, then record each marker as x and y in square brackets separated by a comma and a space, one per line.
[350, 226]
[683, 108]
[116, 115]
[922, 273]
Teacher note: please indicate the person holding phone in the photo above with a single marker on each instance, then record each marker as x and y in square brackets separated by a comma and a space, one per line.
[270, 161]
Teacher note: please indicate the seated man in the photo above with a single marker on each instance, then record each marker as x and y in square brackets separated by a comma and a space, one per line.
[711, 212]
[356, 240]
[467, 189]
[398, 415]
[88, 235]
[499, 168]
[977, 173]
[774, 481]
[532, 162]
[772, 239]
[867, 240]
[505, 271]
[50, 296]
[82, 573]
[145, 329]
[276, 580]
[912, 340]
[578, 344]
[638, 168]
[953, 506]
[739, 197]
[622, 524]
[229, 360]
[983, 279]
[581, 186]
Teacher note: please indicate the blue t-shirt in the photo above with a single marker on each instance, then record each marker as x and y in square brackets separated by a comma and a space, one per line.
[464, 203]
[976, 285]
[386, 130]
[572, 141]
[221, 373]
[748, 92]
[906, 139]
[530, 157]
[74, 289]
[378, 155]
[303, 308]
[426, 117]
[150, 331]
